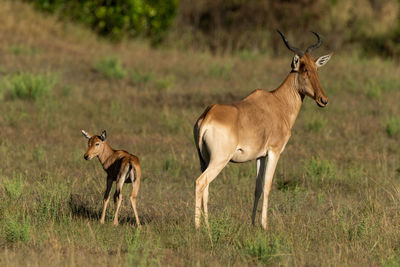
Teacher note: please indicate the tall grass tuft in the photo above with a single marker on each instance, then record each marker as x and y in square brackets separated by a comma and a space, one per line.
[29, 86]
[374, 90]
[316, 125]
[264, 248]
[141, 77]
[220, 71]
[17, 229]
[111, 67]
[142, 249]
[393, 127]
[321, 170]
[14, 187]
[23, 50]
[165, 83]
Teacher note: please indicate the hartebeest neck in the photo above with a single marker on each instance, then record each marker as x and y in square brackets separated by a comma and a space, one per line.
[288, 94]
[106, 155]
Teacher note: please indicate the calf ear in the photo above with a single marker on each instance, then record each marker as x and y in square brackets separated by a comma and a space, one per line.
[322, 60]
[85, 134]
[103, 135]
[296, 63]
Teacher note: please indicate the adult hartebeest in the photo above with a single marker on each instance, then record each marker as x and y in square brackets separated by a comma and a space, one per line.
[256, 127]
[120, 167]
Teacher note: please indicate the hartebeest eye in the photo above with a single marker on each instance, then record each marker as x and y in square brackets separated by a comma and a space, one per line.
[97, 144]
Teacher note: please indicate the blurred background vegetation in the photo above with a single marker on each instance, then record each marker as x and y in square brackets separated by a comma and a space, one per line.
[371, 26]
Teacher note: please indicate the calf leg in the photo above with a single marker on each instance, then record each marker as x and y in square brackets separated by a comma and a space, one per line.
[118, 195]
[135, 177]
[106, 199]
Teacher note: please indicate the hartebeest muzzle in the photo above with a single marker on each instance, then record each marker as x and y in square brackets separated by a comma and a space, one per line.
[322, 102]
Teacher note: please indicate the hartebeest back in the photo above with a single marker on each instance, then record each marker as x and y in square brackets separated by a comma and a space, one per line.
[256, 127]
[120, 167]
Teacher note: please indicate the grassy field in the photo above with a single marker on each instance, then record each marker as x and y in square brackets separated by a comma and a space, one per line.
[336, 192]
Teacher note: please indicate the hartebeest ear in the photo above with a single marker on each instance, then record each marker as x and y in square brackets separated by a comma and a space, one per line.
[85, 134]
[103, 135]
[296, 63]
[322, 60]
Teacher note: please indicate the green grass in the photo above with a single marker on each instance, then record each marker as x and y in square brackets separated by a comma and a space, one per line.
[141, 77]
[165, 83]
[374, 91]
[29, 86]
[316, 124]
[393, 126]
[14, 187]
[23, 50]
[320, 170]
[335, 194]
[220, 71]
[265, 249]
[17, 229]
[111, 67]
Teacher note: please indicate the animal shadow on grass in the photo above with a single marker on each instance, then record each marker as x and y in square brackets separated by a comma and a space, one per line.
[83, 207]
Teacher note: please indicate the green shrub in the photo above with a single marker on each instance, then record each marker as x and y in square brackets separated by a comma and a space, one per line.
[393, 126]
[117, 18]
[17, 229]
[29, 86]
[111, 68]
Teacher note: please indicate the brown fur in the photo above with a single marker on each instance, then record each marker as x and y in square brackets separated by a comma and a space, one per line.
[121, 167]
[256, 127]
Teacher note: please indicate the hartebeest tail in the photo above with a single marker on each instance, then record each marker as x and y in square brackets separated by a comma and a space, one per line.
[256, 127]
[120, 167]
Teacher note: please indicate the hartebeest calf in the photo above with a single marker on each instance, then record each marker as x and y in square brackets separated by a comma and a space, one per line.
[120, 167]
[256, 127]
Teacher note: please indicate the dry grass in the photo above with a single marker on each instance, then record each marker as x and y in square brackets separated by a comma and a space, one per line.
[335, 199]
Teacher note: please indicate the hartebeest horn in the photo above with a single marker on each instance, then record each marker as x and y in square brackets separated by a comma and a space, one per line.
[298, 51]
[318, 44]
[85, 134]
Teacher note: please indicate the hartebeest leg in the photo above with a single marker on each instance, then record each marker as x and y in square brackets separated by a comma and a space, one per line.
[135, 189]
[106, 199]
[205, 205]
[269, 174]
[118, 196]
[202, 182]
[259, 185]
